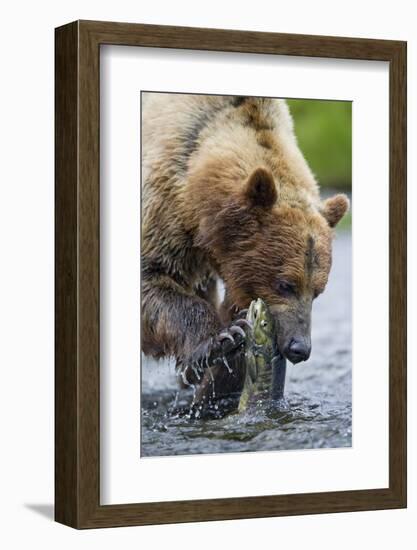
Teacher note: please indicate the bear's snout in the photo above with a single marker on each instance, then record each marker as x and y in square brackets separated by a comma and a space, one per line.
[298, 350]
[293, 331]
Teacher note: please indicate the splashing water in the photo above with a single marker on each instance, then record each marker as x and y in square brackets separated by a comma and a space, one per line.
[316, 411]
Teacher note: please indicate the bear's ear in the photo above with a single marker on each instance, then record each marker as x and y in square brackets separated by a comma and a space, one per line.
[335, 208]
[260, 189]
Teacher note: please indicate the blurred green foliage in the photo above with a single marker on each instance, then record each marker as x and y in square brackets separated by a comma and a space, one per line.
[324, 133]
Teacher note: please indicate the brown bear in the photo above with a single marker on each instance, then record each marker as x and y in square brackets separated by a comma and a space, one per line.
[227, 194]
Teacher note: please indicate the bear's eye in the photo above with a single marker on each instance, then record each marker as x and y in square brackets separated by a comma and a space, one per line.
[264, 324]
[285, 288]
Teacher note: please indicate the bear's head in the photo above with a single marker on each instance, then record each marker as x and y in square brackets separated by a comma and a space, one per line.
[268, 247]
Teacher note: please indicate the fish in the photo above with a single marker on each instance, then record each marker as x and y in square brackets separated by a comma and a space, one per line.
[264, 366]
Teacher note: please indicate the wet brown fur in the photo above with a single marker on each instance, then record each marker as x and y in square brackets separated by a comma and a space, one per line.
[226, 193]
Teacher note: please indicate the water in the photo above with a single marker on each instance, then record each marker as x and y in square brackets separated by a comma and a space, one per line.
[316, 412]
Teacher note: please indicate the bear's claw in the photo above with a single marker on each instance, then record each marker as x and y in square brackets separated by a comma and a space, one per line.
[230, 341]
[235, 329]
[225, 335]
[241, 314]
[243, 323]
[221, 349]
[235, 334]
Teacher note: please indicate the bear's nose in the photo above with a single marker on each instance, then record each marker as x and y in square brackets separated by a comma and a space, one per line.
[298, 350]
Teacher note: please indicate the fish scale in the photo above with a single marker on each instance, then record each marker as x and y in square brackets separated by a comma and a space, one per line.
[265, 367]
